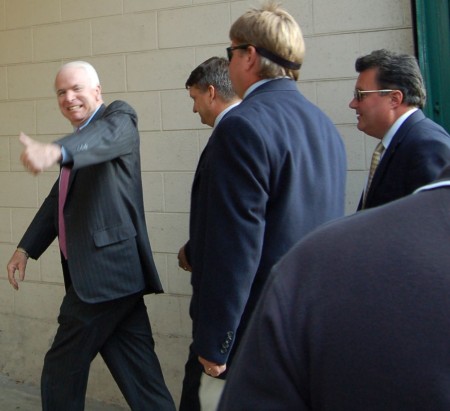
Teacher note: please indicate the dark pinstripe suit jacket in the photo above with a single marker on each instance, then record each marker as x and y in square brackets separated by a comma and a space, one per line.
[109, 254]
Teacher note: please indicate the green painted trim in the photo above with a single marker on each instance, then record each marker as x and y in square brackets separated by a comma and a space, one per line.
[433, 49]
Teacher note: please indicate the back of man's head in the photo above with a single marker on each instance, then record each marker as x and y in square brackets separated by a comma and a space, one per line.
[275, 31]
[213, 72]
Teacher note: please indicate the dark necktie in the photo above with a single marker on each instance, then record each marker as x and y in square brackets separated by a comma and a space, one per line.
[63, 186]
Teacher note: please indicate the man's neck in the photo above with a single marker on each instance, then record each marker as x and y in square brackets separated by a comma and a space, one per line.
[226, 106]
[402, 110]
[81, 126]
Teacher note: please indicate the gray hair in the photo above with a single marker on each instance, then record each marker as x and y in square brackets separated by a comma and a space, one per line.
[213, 72]
[88, 68]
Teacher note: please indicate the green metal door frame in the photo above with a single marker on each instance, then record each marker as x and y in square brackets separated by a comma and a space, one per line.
[432, 19]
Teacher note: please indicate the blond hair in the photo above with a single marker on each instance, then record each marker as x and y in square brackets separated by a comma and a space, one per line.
[275, 30]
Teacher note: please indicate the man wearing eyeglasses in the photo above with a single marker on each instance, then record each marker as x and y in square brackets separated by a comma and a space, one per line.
[413, 150]
[275, 169]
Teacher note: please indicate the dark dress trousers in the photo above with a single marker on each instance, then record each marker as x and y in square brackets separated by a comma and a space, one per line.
[273, 170]
[108, 269]
[417, 154]
[355, 317]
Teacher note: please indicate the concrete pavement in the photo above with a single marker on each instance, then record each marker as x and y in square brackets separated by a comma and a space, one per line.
[15, 395]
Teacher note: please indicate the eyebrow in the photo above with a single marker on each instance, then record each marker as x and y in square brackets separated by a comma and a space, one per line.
[77, 85]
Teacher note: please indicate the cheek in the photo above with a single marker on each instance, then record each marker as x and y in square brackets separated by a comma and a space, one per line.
[61, 100]
[232, 75]
[374, 113]
[201, 106]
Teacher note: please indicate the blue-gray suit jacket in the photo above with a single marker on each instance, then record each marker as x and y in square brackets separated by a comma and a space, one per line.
[273, 170]
[416, 156]
[355, 317]
[109, 254]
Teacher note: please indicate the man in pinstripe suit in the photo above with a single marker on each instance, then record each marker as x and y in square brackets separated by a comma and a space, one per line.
[105, 252]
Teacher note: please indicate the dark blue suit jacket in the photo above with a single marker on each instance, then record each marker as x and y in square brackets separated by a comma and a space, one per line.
[416, 156]
[272, 171]
[109, 254]
[355, 317]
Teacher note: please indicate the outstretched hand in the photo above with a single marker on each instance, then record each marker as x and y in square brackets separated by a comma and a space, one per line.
[37, 157]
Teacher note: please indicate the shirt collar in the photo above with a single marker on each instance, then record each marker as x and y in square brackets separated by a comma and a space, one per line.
[394, 128]
[89, 119]
[220, 116]
[431, 186]
[254, 86]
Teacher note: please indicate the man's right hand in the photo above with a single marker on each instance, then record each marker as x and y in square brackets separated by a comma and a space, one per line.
[18, 262]
[36, 156]
[182, 260]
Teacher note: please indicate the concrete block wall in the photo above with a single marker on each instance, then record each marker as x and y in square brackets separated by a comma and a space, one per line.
[144, 50]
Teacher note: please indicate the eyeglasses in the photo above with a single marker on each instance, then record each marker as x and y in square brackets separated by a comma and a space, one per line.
[240, 47]
[359, 94]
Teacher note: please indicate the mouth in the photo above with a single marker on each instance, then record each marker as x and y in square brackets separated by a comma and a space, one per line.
[73, 108]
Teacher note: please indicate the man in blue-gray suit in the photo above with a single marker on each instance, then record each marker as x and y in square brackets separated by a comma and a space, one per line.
[273, 170]
[350, 321]
[412, 149]
[96, 210]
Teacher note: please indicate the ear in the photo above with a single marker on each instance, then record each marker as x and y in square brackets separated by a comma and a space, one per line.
[211, 92]
[98, 90]
[253, 56]
[396, 98]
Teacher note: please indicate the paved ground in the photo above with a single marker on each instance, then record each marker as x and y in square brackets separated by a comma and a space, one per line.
[15, 396]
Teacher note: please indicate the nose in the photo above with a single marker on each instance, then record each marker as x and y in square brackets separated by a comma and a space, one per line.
[69, 95]
[353, 103]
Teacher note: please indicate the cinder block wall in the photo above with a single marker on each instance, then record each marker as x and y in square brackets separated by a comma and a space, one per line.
[144, 50]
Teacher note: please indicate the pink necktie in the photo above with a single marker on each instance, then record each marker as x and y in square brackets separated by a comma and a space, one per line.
[63, 186]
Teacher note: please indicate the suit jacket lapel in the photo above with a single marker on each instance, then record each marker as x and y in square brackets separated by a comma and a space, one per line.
[201, 165]
[390, 152]
[97, 115]
[204, 155]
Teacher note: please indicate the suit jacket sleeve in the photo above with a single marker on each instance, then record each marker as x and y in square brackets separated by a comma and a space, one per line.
[270, 371]
[111, 139]
[109, 135]
[237, 188]
[42, 230]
